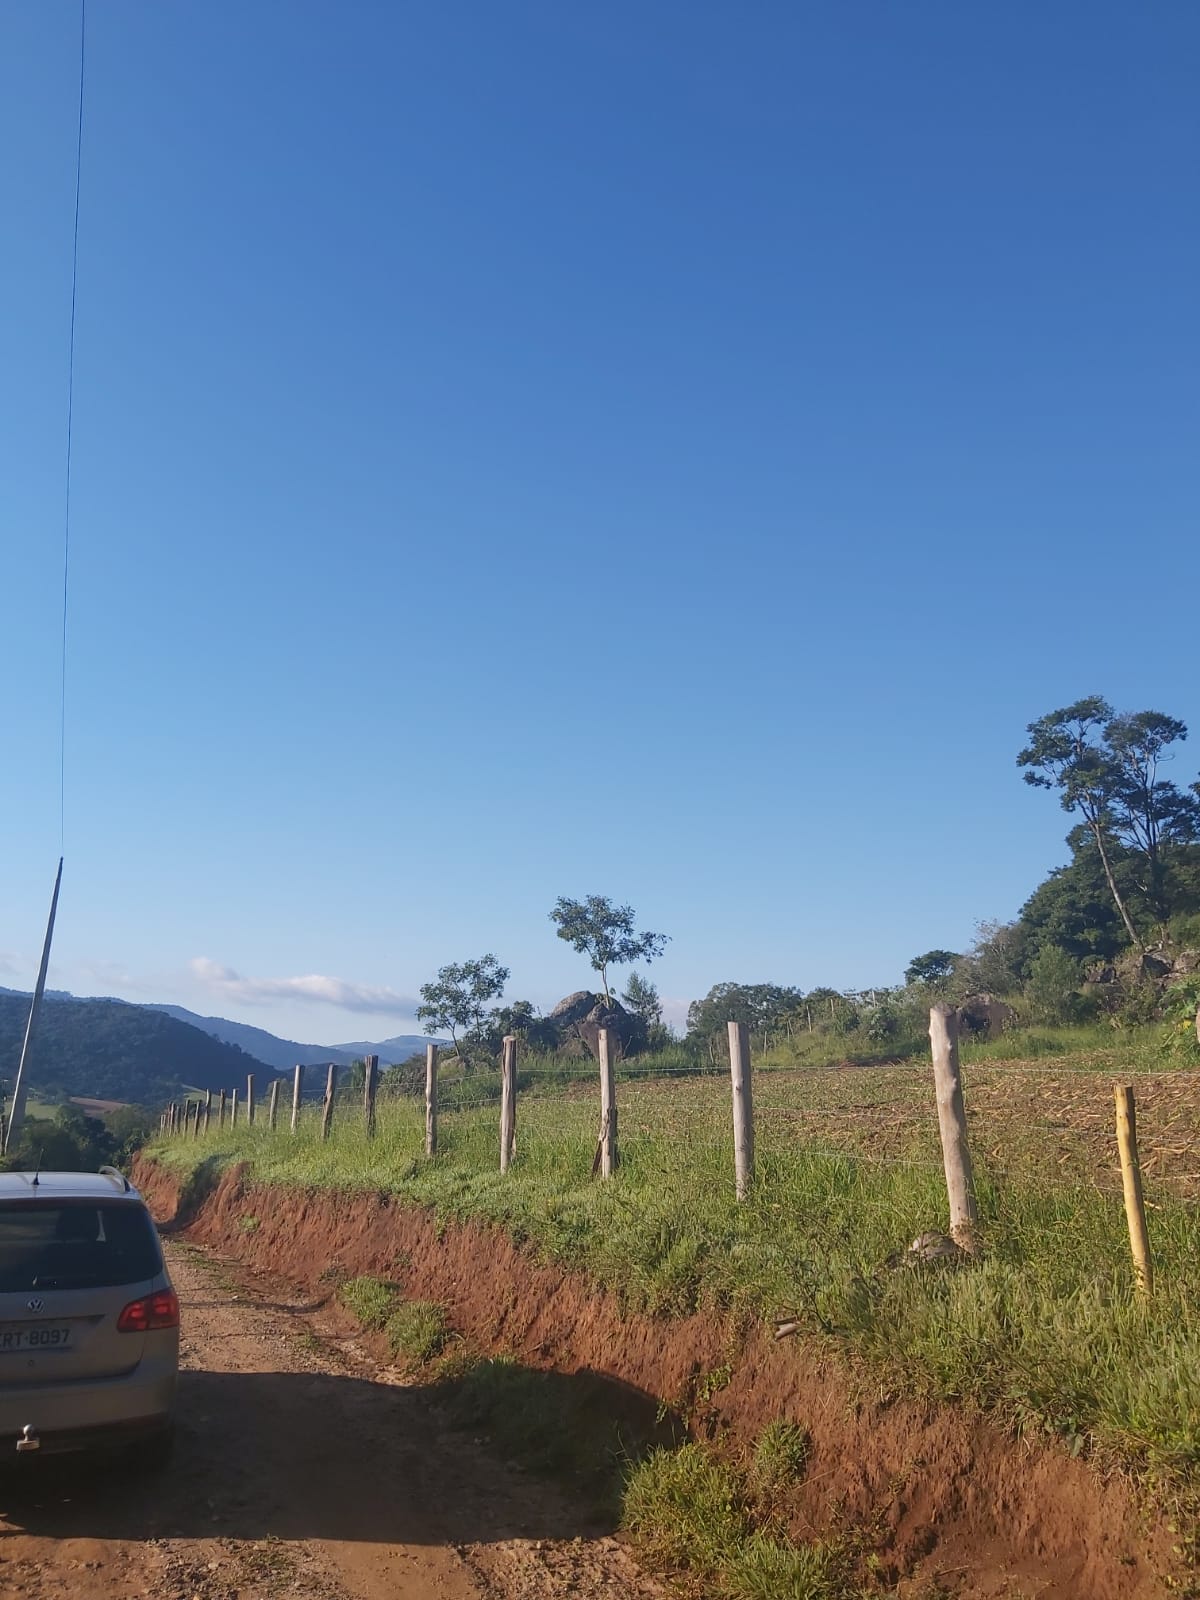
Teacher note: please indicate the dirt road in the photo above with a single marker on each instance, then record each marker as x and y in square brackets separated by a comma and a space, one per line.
[301, 1470]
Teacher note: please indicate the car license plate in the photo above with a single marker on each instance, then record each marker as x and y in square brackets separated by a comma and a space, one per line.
[33, 1336]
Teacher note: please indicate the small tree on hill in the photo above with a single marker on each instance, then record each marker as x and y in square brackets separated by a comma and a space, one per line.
[934, 969]
[994, 963]
[1053, 987]
[641, 997]
[457, 1001]
[605, 934]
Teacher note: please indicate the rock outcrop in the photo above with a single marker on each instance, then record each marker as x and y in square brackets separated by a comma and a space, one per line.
[578, 1018]
[983, 1016]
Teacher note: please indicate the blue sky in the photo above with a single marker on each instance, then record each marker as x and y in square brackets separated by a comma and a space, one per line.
[660, 450]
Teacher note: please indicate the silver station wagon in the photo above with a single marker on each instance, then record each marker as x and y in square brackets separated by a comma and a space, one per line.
[89, 1322]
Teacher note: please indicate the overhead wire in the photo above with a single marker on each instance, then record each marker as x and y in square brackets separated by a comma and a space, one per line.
[62, 722]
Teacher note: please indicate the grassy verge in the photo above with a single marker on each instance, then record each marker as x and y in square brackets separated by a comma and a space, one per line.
[1046, 1326]
[416, 1330]
[693, 1513]
[691, 1510]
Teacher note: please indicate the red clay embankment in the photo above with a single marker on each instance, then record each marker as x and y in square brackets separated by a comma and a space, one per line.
[942, 1496]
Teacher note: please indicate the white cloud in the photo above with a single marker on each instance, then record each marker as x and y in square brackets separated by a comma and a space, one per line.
[675, 1013]
[8, 964]
[110, 975]
[313, 988]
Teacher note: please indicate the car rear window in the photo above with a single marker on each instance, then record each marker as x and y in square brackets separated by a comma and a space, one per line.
[75, 1245]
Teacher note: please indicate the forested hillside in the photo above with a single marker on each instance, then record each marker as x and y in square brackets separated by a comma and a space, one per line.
[113, 1051]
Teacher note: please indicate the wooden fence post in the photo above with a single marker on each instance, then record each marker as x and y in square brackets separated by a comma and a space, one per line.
[370, 1089]
[327, 1107]
[1131, 1183]
[608, 1154]
[508, 1100]
[198, 1124]
[952, 1124]
[743, 1108]
[273, 1104]
[233, 1108]
[207, 1108]
[297, 1087]
[431, 1072]
[249, 1097]
[221, 1109]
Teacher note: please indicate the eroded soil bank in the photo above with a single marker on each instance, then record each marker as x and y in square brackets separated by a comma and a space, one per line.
[948, 1503]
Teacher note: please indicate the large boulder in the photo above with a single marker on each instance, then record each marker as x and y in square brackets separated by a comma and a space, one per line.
[579, 1018]
[983, 1016]
[627, 1031]
[575, 1007]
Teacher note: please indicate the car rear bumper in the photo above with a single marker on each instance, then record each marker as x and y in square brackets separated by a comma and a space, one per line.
[90, 1410]
[105, 1436]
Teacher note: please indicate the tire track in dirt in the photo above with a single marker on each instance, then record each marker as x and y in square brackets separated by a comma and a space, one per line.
[301, 1470]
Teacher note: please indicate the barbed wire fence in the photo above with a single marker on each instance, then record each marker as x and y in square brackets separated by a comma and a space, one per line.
[614, 1083]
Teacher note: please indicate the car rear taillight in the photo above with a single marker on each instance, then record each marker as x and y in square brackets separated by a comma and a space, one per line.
[155, 1311]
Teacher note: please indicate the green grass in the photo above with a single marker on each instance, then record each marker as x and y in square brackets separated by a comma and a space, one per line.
[690, 1509]
[417, 1330]
[780, 1458]
[1090, 1046]
[554, 1423]
[370, 1300]
[1045, 1327]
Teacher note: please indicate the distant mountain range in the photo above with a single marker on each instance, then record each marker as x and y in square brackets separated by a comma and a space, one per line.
[284, 1054]
[109, 1050]
[114, 1050]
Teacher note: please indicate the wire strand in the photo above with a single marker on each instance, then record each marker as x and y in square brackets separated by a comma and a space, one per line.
[62, 712]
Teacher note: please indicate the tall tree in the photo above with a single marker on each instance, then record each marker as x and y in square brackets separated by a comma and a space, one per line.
[1151, 813]
[1066, 751]
[1073, 908]
[605, 934]
[1106, 768]
[457, 1001]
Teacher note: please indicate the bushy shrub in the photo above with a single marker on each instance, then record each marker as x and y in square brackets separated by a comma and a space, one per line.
[1053, 988]
[1180, 1005]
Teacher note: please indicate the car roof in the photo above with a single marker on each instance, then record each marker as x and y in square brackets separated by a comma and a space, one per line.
[107, 1185]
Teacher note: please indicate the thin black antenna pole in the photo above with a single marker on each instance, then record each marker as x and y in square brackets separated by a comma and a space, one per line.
[62, 722]
[16, 1114]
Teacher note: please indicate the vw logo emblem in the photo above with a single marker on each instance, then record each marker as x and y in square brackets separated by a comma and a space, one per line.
[35, 1304]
